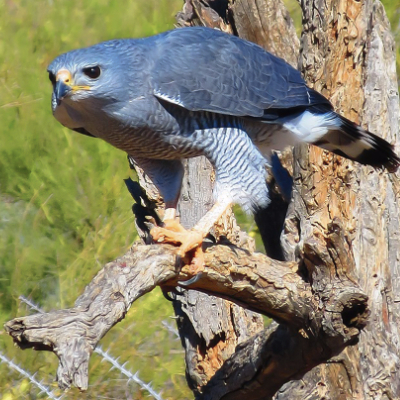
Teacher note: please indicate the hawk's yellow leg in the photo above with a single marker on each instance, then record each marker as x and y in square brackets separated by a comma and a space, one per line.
[173, 232]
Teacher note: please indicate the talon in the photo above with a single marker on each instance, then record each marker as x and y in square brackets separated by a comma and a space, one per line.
[190, 281]
[173, 232]
[196, 264]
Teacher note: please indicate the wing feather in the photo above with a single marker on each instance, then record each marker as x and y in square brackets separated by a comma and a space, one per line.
[205, 69]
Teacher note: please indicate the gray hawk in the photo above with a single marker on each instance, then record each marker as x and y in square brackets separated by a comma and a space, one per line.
[198, 91]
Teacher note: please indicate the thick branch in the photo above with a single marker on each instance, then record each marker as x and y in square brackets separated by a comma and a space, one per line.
[271, 287]
[261, 365]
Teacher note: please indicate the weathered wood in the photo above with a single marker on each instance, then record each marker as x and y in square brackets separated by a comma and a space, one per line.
[268, 24]
[347, 54]
[252, 280]
[210, 327]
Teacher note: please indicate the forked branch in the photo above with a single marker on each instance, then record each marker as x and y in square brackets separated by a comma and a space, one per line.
[309, 329]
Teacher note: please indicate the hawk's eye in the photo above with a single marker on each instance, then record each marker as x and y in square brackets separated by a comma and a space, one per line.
[52, 78]
[92, 72]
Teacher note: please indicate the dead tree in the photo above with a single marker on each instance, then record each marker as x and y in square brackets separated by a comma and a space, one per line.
[334, 300]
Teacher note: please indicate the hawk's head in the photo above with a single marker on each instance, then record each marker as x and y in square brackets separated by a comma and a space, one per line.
[85, 80]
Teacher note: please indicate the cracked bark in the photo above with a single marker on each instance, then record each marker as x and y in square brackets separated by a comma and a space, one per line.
[252, 280]
[348, 55]
[341, 235]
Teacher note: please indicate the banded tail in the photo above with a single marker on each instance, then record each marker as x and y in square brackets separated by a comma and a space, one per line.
[341, 136]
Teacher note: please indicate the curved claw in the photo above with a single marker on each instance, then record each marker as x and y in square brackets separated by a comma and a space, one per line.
[166, 292]
[190, 281]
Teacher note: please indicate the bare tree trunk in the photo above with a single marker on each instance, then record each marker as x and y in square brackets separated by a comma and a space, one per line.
[348, 55]
[341, 232]
[210, 327]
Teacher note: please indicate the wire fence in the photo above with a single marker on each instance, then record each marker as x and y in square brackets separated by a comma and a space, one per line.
[104, 354]
[42, 388]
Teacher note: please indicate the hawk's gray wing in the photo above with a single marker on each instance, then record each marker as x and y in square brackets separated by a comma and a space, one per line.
[204, 69]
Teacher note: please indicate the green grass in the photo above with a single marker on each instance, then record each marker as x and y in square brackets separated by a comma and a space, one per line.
[64, 210]
[392, 8]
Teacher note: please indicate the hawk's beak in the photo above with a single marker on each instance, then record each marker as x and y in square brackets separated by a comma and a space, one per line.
[61, 90]
[63, 84]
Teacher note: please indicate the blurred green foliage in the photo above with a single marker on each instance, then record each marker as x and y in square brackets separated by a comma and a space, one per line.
[392, 8]
[64, 210]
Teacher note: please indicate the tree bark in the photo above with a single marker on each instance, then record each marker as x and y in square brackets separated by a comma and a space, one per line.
[348, 55]
[310, 332]
[211, 328]
[340, 238]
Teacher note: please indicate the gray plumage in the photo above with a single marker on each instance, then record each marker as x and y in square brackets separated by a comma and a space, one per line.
[198, 91]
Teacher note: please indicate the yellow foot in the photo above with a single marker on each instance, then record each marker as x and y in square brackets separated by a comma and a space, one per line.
[197, 262]
[174, 233]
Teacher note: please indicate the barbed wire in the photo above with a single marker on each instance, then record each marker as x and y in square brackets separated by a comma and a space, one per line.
[132, 376]
[43, 388]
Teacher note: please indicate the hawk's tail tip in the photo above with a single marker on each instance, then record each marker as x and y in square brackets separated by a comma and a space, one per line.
[362, 146]
[379, 153]
[381, 158]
